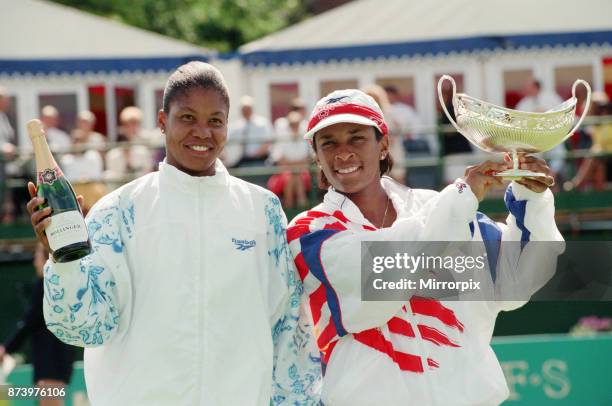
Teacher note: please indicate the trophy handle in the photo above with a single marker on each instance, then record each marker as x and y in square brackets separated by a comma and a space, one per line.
[587, 104]
[441, 99]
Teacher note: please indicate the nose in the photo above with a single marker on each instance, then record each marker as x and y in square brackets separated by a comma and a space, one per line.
[202, 131]
[344, 156]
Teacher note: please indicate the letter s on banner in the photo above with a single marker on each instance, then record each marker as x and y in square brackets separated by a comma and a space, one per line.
[557, 384]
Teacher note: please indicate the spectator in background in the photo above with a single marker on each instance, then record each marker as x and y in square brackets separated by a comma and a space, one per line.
[58, 140]
[595, 170]
[84, 166]
[396, 144]
[51, 359]
[292, 152]
[135, 158]
[132, 130]
[7, 154]
[282, 126]
[130, 120]
[249, 137]
[409, 124]
[7, 133]
[536, 100]
[84, 132]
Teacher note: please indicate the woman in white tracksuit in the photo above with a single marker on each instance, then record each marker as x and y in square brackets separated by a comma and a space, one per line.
[420, 351]
[189, 296]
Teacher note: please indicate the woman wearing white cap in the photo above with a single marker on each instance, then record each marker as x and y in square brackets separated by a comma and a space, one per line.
[417, 351]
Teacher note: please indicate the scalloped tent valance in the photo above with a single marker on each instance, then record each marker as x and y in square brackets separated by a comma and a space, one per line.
[93, 66]
[44, 38]
[425, 48]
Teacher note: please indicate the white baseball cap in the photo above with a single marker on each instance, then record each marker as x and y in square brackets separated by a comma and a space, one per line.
[345, 106]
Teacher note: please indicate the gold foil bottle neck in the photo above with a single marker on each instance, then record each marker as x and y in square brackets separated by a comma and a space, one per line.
[42, 153]
[35, 128]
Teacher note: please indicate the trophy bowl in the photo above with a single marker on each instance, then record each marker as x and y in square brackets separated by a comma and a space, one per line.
[494, 128]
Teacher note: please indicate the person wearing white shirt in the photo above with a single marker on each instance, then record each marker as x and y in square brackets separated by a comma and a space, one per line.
[536, 100]
[84, 132]
[292, 152]
[249, 137]
[84, 166]
[7, 133]
[414, 141]
[58, 139]
[409, 122]
[396, 137]
[134, 159]
[282, 126]
[7, 153]
[290, 147]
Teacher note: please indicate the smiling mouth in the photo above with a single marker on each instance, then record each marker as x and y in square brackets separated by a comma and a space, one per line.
[198, 148]
[347, 170]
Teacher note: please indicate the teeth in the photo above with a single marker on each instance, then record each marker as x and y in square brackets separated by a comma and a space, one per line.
[348, 170]
[199, 148]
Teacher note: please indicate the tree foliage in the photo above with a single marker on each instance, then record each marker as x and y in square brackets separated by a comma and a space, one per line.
[220, 24]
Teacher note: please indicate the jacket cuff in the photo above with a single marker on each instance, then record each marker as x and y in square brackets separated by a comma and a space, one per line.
[521, 192]
[63, 267]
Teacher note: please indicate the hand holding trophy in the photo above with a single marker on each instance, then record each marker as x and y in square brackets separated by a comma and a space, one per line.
[498, 129]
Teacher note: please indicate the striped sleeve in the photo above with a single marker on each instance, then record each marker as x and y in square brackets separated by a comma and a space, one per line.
[523, 268]
[531, 215]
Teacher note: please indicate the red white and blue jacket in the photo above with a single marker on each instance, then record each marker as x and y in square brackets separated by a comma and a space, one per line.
[421, 351]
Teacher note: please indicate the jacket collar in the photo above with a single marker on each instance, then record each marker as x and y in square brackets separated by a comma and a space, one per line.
[399, 194]
[174, 177]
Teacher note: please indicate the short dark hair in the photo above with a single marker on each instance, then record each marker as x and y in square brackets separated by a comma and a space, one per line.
[386, 164]
[391, 89]
[191, 75]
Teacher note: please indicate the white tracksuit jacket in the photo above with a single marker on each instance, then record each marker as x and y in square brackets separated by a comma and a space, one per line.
[420, 351]
[189, 297]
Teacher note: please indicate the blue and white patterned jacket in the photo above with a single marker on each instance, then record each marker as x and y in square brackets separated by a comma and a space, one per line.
[189, 297]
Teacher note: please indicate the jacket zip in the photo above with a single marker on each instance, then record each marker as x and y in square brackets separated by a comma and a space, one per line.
[199, 301]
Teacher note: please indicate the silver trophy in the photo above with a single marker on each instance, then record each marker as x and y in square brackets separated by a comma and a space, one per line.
[498, 129]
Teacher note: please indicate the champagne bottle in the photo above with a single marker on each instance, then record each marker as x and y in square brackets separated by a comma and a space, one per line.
[67, 233]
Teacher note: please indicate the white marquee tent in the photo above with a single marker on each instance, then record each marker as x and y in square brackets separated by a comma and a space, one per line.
[53, 53]
[488, 43]
[48, 50]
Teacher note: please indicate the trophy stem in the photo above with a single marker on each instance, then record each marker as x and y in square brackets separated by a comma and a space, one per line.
[515, 173]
